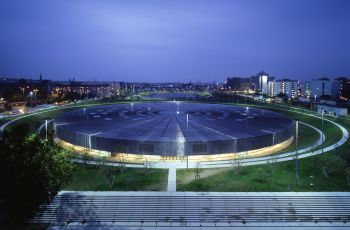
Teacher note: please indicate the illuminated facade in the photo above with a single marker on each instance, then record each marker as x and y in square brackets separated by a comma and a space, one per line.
[286, 87]
[321, 87]
[173, 129]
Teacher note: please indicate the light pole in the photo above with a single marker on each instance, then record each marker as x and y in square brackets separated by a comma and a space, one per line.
[35, 91]
[296, 150]
[31, 99]
[45, 130]
[187, 138]
[322, 114]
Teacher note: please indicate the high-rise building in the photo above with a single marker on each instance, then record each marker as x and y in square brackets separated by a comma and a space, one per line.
[259, 82]
[341, 88]
[304, 89]
[321, 87]
[285, 87]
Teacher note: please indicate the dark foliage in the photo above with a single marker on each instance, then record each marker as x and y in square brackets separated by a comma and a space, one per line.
[32, 171]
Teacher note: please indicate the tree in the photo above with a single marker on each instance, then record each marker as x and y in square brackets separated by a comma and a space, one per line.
[197, 175]
[121, 162]
[32, 171]
[149, 165]
[108, 171]
[237, 162]
[86, 158]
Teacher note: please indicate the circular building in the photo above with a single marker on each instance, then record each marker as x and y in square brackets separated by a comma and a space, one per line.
[173, 128]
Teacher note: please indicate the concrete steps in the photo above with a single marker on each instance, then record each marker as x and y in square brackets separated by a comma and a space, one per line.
[195, 209]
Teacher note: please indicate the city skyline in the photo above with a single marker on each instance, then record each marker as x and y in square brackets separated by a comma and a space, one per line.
[174, 41]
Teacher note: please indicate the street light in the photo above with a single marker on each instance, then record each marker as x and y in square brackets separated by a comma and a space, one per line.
[187, 137]
[35, 91]
[31, 99]
[296, 150]
[45, 130]
[322, 136]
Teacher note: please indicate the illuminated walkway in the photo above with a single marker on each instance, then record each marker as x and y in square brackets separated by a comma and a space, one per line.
[248, 161]
[172, 180]
[196, 210]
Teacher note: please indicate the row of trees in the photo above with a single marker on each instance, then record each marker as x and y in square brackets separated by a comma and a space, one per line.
[331, 165]
[111, 169]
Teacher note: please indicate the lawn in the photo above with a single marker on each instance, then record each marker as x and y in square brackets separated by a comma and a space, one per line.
[35, 120]
[89, 178]
[332, 133]
[307, 137]
[279, 177]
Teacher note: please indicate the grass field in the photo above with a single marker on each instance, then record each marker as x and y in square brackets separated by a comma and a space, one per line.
[261, 178]
[332, 133]
[133, 179]
[35, 120]
[281, 177]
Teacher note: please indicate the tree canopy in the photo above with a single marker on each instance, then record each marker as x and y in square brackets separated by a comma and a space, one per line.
[32, 171]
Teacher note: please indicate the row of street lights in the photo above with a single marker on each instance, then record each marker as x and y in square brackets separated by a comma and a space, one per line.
[296, 142]
[296, 138]
[31, 96]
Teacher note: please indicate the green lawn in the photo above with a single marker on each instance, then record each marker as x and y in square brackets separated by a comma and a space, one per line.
[252, 178]
[261, 178]
[307, 137]
[133, 179]
[332, 133]
[280, 177]
[35, 120]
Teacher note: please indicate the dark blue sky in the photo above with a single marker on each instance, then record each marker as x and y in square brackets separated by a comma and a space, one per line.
[174, 40]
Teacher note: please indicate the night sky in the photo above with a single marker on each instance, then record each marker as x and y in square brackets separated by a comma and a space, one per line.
[178, 41]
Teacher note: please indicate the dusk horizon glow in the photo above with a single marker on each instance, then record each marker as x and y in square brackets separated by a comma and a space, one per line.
[174, 41]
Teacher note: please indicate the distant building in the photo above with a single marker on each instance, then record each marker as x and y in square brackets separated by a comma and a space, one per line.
[341, 88]
[321, 87]
[238, 83]
[259, 82]
[332, 110]
[304, 100]
[286, 87]
[304, 89]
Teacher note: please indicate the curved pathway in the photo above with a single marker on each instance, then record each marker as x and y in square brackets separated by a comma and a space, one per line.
[302, 153]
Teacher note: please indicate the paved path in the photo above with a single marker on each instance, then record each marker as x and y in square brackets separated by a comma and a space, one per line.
[196, 210]
[302, 153]
[228, 163]
[172, 180]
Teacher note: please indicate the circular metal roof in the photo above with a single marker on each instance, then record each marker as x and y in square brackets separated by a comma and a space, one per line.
[173, 123]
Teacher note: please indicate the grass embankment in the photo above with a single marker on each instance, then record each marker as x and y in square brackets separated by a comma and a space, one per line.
[276, 177]
[308, 136]
[89, 178]
[262, 178]
[36, 119]
[251, 178]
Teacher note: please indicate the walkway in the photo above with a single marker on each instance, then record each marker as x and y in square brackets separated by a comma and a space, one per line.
[302, 153]
[191, 210]
[172, 180]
